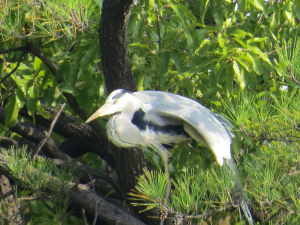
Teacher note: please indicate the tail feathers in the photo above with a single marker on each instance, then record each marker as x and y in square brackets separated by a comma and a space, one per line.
[239, 195]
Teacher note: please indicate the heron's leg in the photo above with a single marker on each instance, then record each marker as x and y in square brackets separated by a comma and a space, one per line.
[239, 191]
[164, 155]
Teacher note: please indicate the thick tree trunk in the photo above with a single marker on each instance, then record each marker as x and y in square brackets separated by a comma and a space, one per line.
[113, 45]
[129, 163]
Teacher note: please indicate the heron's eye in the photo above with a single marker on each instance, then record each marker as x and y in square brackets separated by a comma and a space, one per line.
[115, 101]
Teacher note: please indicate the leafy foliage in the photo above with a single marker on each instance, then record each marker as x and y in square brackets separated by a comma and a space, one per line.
[237, 58]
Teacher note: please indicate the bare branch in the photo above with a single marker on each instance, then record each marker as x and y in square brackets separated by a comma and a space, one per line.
[14, 69]
[13, 50]
[48, 134]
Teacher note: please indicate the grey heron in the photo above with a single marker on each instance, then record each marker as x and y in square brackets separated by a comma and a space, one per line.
[156, 118]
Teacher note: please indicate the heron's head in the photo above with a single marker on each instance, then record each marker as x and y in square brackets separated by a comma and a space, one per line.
[118, 101]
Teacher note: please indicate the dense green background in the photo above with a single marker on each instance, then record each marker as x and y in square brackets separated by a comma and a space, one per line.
[240, 59]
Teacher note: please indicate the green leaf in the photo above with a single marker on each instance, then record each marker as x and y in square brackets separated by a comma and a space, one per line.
[261, 54]
[166, 39]
[12, 109]
[240, 33]
[203, 9]
[63, 70]
[42, 111]
[89, 55]
[239, 74]
[260, 4]
[179, 12]
[242, 60]
[188, 13]
[140, 45]
[32, 99]
[229, 79]
[254, 40]
[256, 63]
[63, 87]
[37, 64]
[221, 41]
[175, 56]
[275, 18]
[164, 62]
[20, 98]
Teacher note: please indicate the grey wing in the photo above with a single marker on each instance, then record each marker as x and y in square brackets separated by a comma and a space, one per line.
[199, 122]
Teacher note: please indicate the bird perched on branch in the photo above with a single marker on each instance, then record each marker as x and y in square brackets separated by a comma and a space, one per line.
[156, 119]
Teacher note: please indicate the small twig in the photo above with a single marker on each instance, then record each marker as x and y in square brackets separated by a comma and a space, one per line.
[14, 69]
[83, 216]
[230, 199]
[260, 18]
[96, 210]
[274, 51]
[158, 28]
[292, 75]
[43, 141]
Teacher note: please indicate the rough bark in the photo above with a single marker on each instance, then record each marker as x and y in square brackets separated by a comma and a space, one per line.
[129, 163]
[10, 211]
[113, 45]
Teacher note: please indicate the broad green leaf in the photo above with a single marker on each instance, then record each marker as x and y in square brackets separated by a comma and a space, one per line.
[260, 4]
[141, 81]
[197, 25]
[140, 45]
[49, 96]
[188, 13]
[240, 33]
[239, 74]
[221, 41]
[219, 70]
[240, 42]
[243, 61]
[89, 55]
[63, 71]
[261, 94]
[229, 79]
[260, 53]
[166, 39]
[64, 87]
[204, 47]
[175, 56]
[42, 111]
[275, 18]
[20, 98]
[32, 99]
[12, 109]
[164, 62]
[253, 40]
[189, 87]
[37, 64]
[203, 9]
[256, 63]
[240, 16]
[211, 91]
[179, 12]
[218, 16]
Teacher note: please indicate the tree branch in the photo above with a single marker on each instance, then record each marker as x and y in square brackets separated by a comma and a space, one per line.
[48, 134]
[81, 197]
[14, 69]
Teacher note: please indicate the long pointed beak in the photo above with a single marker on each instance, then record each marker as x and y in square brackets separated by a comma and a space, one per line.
[99, 112]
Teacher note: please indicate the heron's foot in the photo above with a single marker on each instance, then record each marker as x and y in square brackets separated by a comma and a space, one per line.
[243, 204]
